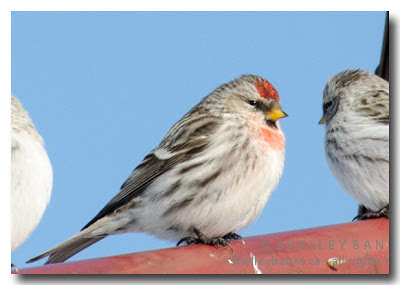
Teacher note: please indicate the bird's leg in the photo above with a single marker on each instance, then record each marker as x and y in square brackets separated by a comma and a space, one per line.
[382, 213]
[202, 239]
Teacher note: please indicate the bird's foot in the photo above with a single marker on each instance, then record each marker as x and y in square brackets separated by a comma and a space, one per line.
[202, 239]
[382, 213]
[233, 236]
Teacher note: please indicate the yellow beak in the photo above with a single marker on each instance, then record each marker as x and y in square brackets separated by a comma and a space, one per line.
[276, 114]
[322, 121]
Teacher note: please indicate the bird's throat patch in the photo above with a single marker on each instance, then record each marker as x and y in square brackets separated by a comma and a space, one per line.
[275, 139]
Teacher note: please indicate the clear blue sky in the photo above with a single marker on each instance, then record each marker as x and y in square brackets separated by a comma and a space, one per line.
[103, 88]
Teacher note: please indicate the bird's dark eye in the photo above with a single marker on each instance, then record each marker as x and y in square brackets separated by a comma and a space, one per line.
[327, 105]
[252, 102]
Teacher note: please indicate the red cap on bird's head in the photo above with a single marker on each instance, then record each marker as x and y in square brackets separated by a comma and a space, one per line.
[267, 90]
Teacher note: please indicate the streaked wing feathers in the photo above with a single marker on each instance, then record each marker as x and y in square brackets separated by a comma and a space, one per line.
[152, 167]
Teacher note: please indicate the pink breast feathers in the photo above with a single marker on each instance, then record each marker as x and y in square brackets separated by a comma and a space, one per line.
[274, 138]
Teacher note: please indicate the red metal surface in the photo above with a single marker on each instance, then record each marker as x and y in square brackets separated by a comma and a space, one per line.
[363, 245]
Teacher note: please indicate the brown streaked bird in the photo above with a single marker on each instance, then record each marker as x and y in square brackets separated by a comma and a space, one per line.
[209, 177]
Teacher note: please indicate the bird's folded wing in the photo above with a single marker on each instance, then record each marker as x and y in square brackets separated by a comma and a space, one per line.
[152, 166]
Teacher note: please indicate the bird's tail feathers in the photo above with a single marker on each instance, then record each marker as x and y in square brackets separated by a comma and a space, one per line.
[68, 248]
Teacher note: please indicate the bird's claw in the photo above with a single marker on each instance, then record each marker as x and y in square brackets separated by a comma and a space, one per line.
[232, 236]
[202, 239]
[382, 213]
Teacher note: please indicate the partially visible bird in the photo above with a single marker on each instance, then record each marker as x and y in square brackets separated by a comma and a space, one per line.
[210, 176]
[356, 117]
[31, 175]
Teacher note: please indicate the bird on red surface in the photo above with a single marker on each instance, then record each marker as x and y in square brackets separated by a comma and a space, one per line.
[210, 176]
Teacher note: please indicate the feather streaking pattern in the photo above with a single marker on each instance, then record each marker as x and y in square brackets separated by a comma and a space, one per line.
[212, 173]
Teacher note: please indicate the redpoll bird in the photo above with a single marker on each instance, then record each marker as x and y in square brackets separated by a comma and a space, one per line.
[356, 117]
[210, 176]
[31, 175]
